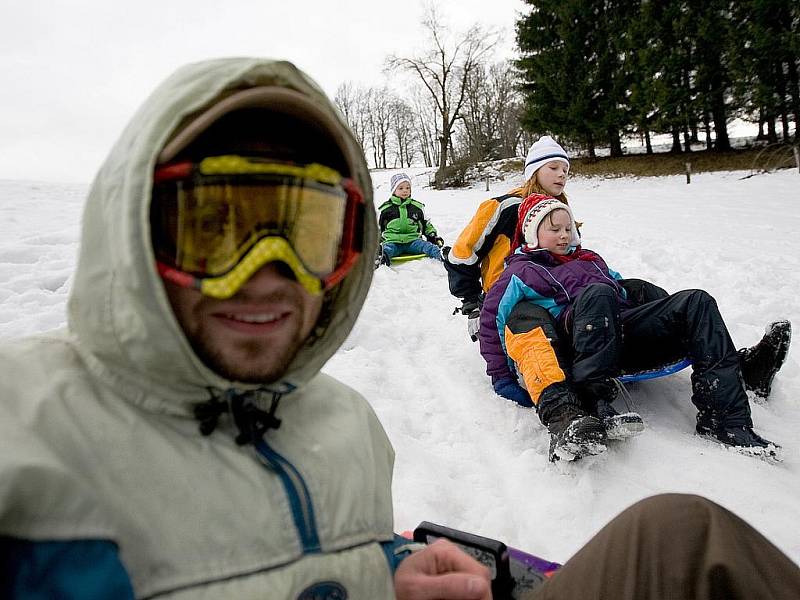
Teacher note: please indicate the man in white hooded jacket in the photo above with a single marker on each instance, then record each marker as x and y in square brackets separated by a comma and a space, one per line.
[133, 460]
[177, 439]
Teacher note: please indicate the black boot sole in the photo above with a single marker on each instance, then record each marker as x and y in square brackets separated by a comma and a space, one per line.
[772, 453]
[623, 426]
[778, 337]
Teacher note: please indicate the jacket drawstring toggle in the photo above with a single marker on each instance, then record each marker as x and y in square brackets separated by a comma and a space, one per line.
[251, 421]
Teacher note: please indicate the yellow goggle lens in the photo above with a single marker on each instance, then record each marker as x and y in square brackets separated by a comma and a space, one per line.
[210, 224]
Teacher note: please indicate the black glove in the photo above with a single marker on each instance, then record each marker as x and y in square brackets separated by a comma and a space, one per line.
[435, 239]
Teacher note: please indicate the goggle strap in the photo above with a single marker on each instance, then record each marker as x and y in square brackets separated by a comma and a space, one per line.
[175, 171]
[352, 236]
[341, 271]
[177, 277]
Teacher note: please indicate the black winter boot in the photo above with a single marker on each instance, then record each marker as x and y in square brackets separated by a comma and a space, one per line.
[741, 438]
[706, 423]
[619, 426]
[574, 434]
[381, 258]
[760, 363]
[597, 399]
[745, 440]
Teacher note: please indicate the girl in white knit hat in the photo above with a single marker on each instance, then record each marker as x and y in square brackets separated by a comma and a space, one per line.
[477, 258]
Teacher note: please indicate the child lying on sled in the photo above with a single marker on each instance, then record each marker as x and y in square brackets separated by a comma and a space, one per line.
[564, 360]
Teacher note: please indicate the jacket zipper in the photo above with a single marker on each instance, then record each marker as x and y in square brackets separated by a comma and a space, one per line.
[297, 492]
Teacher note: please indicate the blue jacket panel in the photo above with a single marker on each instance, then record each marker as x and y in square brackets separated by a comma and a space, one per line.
[68, 570]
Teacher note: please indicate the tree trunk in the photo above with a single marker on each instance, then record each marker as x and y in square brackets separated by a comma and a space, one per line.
[794, 94]
[718, 114]
[444, 138]
[772, 135]
[780, 88]
[614, 142]
[442, 152]
[676, 141]
[591, 148]
[762, 122]
[693, 130]
[648, 142]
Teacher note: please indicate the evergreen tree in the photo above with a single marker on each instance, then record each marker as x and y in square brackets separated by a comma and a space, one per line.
[712, 40]
[766, 51]
[573, 78]
[670, 59]
[641, 59]
[543, 70]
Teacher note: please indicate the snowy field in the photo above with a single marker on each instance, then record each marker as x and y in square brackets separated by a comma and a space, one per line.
[472, 460]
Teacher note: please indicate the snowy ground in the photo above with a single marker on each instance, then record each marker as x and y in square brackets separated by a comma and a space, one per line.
[468, 458]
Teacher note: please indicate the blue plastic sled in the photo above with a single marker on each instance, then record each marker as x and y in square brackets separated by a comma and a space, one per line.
[668, 369]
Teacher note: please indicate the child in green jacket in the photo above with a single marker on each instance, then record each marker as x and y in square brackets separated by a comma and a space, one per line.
[404, 228]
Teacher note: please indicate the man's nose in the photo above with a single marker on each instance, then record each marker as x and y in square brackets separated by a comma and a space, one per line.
[271, 275]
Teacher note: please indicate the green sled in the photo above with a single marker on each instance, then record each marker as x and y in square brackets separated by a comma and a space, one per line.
[407, 257]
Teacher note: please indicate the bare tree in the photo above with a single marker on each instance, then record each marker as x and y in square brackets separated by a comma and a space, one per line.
[402, 128]
[380, 118]
[426, 127]
[509, 108]
[353, 102]
[444, 69]
[490, 126]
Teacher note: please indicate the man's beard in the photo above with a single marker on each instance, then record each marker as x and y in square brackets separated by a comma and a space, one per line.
[246, 367]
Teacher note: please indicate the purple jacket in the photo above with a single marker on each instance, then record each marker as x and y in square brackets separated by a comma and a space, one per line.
[543, 279]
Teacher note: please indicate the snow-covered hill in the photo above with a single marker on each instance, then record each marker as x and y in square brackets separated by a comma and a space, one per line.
[466, 457]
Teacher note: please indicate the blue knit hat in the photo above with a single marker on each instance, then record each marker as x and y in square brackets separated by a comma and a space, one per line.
[397, 179]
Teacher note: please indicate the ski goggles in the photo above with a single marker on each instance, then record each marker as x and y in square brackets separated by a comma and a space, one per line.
[217, 222]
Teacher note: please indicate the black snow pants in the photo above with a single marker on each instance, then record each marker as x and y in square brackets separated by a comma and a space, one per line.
[595, 339]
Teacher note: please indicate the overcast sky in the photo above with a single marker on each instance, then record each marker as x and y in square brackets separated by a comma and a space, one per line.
[74, 71]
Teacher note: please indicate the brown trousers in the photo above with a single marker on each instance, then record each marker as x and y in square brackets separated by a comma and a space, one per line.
[675, 547]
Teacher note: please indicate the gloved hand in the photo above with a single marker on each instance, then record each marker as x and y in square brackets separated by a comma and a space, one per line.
[472, 309]
[435, 239]
[474, 324]
[509, 388]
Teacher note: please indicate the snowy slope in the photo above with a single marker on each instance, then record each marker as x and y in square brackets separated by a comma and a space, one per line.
[472, 460]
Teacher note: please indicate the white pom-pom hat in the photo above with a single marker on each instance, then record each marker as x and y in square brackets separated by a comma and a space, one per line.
[543, 150]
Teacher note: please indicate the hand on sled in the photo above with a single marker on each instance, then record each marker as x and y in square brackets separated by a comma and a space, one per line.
[442, 571]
